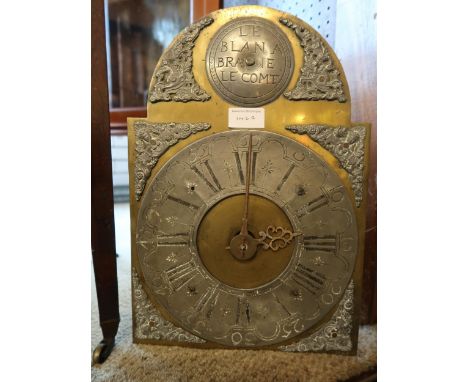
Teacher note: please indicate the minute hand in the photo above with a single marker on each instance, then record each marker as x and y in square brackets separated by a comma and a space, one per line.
[245, 218]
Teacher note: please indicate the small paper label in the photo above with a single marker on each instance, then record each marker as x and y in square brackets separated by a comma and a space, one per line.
[246, 118]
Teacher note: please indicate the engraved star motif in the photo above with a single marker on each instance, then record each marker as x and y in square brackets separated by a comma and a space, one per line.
[228, 168]
[318, 261]
[320, 223]
[268, 167]
[263, 310]
[172, 220]
[191, 290]
[190, 187]
[296, 294]
[171, 258]
[300, 190]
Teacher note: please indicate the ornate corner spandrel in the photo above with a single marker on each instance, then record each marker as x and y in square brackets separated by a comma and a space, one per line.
[346, 144]
[174, 80]
[319, 79]
[148, 322]
[152, 140]
[335, 335]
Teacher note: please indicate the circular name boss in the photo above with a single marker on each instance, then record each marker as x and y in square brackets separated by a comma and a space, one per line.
[249, 62]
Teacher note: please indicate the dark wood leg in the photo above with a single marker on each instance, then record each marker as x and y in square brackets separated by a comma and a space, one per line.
[102, 200]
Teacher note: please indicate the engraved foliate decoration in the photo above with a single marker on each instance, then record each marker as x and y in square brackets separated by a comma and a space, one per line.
[319, 79]
[335, 335]
[173, 79]
[249, 61]
[149, 324]
[152, 140]
[346, 144]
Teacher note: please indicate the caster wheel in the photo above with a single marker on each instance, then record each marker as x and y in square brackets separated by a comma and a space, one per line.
[102, 351]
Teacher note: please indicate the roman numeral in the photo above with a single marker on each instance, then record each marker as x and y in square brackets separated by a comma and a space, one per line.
[309, 279]
[286, 176]
[254, 166]
[325, 243]
[243, 308]
[321, 201]
[238, 310]
[247, 311]
[213, 183]
[239, 167]
[173, 240]
[183, 202]
[208, 299]
[180, 275]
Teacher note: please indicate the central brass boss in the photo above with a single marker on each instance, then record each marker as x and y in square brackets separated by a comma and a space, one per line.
[249, 62]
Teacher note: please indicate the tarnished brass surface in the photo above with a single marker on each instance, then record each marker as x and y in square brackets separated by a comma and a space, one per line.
[213, 238]
[173, 80]
[347, 144]
[249, 61]
[153, 139]
[279, 113]
[320, 79]
[274, 296]
[336, 334]
[148, 322]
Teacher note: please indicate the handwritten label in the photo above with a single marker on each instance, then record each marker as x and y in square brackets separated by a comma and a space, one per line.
[246, 118]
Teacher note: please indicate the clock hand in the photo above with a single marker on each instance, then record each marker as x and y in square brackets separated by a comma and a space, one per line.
[244, 232]
[275, 238]
[244, 246]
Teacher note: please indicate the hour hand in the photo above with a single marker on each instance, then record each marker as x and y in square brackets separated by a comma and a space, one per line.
[275, 238]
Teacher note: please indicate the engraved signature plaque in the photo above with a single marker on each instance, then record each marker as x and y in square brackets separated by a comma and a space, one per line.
[249, 62]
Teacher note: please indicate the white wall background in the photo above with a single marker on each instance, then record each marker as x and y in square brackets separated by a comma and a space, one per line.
[321, 14]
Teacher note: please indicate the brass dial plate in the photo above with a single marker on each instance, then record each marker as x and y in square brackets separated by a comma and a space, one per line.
[318, 263]
[212, 238]
[249, 62]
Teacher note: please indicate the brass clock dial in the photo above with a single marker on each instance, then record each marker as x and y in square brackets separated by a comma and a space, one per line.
[246, 238]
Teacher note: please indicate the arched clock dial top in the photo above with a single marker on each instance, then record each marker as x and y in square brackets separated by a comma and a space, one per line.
[252, 281]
